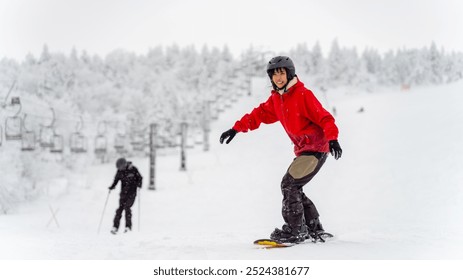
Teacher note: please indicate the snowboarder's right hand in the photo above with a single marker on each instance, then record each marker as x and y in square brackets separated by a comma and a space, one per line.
[228, 135]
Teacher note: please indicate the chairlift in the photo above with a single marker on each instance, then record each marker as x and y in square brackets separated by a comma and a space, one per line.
[47, 133]
[78, 140]
[119, 142]
[27, 138]
[46, 137]
[173, 144]
[15, 101]
[160, 142]
[78, 143]
[100, 140]
[188, 145]
[199, 138]
[220, 109]
[214, 114]
[13, 128]
[120, 138]
[138, 141]
[57, 144]
[28, 141]
[14, 124]
[100, 144]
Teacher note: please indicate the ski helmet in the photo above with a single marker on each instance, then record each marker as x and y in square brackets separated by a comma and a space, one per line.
[281, 62]
[121, 163]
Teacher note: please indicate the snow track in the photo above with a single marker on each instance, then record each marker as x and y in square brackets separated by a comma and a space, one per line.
[395, 194]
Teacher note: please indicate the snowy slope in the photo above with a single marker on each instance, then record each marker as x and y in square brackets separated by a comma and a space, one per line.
[395, 193]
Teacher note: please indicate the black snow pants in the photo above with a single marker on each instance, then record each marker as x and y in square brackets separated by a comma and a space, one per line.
[297, 207]
[126, 201]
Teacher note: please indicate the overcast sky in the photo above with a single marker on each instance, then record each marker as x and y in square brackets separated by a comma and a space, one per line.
[100, 26]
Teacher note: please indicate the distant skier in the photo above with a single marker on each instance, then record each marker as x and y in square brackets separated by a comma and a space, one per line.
[130, 180]
[313, 132]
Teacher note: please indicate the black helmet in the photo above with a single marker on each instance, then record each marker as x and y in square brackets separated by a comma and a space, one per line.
[121, 163]
[281, 62]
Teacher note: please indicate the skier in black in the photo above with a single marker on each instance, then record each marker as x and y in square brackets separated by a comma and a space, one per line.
[130, 180]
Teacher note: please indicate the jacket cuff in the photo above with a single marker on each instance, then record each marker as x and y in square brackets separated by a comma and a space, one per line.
[238, 127]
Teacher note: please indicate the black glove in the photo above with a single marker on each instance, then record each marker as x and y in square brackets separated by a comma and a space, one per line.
[111, 188]
[227, 134]
[335, 149]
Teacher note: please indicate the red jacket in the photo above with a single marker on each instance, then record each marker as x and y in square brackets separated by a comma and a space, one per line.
[309, 126]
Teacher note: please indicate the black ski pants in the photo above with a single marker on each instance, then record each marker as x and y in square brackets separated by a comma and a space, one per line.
[126, 201]
[297, 208]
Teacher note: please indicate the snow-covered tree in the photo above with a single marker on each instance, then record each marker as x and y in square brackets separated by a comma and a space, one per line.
[168, 85]
[434, 65]
[302, 56]
[317, 61]
[336, 65]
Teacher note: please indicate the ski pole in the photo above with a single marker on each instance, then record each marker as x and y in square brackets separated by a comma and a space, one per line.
[139, 212]
[102, 214]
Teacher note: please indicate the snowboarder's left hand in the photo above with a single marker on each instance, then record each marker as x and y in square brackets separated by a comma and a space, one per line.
[230, 134]
[335, 149]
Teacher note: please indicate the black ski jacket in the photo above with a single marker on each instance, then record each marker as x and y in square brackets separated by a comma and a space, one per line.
[130, 179]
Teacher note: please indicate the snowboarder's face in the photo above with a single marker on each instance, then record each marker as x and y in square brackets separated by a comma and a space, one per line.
[279, 78]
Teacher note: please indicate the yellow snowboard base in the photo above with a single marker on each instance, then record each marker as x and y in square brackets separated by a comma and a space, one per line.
[269, 243]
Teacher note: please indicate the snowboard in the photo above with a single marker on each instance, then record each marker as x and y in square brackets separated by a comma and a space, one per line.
[267, 243]
[270, 243]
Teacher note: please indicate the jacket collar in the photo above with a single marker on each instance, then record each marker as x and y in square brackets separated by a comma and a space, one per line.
[291, 83]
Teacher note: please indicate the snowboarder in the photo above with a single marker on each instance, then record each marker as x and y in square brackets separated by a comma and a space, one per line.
[130, 180]
[313, 132]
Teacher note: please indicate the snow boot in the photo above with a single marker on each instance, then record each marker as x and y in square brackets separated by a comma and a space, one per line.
[316, 231]
[127, 229]
[289, 235]
[114, 230]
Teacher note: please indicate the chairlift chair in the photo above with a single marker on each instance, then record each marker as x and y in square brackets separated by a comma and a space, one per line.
[78, 143]
[15, 101]
[28, 141]
[46, 137]
[100, 140]
[27, 138]
[13, 128]
[160, 142]
[173, 144]
[137, 141]
[220, 109]
[100, 144]
[119, 142]
[57, 144]
[47, 132]
[199, 139]
[14, 124]
[189, 142]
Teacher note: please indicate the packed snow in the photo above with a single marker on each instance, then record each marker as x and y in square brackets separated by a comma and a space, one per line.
[396, 193]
